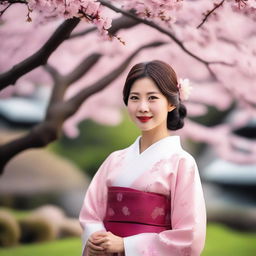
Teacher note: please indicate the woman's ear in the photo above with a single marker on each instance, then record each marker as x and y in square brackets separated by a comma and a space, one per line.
[171, 107]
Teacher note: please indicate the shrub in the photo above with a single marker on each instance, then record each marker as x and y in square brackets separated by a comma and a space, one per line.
[9, 229]
[70, 227]
[43, 224]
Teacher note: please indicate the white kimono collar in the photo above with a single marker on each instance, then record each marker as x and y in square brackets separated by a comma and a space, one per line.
[136, 163]
[160, 147]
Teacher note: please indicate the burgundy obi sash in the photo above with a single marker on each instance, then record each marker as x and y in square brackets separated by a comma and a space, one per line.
[130, 212]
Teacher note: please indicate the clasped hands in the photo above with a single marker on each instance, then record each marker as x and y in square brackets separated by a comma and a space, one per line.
[103, 243]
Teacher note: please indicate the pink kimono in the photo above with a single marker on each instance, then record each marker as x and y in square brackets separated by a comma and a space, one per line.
[163, 168]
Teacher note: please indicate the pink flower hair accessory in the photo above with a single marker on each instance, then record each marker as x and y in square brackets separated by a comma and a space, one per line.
[184, 88]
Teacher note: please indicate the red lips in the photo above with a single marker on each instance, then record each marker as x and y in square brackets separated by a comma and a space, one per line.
[144, 119]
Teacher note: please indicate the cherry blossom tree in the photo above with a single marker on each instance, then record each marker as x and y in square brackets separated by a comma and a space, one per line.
[83, 49]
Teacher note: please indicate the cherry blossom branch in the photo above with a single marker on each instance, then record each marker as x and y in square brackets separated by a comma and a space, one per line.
[62, 33]
[2, 12]
[207, 15]
[41, 56]
[78, 99]
[10, 3]
[59, 87]
[13, 1]
[121, 22]
[82, 33]
[168, 33]
[61, 82]
[241, 3]
[84, 66]
[53, 72]
[50, 129]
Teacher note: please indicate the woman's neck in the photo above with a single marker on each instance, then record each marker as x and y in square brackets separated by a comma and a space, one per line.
[150, 137]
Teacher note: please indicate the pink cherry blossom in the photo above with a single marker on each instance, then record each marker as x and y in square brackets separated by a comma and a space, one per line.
[184, 88]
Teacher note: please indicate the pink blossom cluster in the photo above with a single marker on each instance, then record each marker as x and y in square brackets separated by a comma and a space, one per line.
[3, 5]
[160, 11]
[247, 7]
[89, 10]
[184, 88]
[241, 4]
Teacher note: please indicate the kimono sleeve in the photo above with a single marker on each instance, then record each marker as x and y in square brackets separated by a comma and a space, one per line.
[188, 219]
[94, 206]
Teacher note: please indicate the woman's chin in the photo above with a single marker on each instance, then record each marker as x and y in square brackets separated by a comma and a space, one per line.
[145, 129]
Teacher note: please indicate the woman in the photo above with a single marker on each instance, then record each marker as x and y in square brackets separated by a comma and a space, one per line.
[147, 199]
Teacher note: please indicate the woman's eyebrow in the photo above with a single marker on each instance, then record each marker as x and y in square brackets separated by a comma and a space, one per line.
[137, 93]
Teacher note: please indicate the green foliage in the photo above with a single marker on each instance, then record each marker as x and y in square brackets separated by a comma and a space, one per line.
[95, 143]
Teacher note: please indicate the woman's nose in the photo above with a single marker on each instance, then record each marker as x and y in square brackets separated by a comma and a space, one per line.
[143, 106]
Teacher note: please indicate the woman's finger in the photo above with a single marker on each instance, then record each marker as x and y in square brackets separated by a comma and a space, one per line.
[92, 252]
[106, 245]
[94, 246]
[98, 234]
[100, 240]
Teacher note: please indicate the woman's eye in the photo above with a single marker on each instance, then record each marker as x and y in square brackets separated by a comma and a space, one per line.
[153, 98]
[133, 98]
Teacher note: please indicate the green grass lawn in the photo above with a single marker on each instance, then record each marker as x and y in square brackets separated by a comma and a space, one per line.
[221, 241]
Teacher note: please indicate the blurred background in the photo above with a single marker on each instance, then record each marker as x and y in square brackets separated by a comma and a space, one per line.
[65, 114]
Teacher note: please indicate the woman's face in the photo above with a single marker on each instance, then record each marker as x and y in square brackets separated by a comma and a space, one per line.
[147, 106]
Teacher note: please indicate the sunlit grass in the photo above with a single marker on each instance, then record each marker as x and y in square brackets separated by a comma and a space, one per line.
[220, 241]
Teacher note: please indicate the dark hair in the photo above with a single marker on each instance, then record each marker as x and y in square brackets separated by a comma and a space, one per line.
[166, 80]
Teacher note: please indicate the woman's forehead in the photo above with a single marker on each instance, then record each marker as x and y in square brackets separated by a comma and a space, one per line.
[144, 85]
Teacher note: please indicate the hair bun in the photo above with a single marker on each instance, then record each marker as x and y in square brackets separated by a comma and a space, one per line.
[175, 119]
